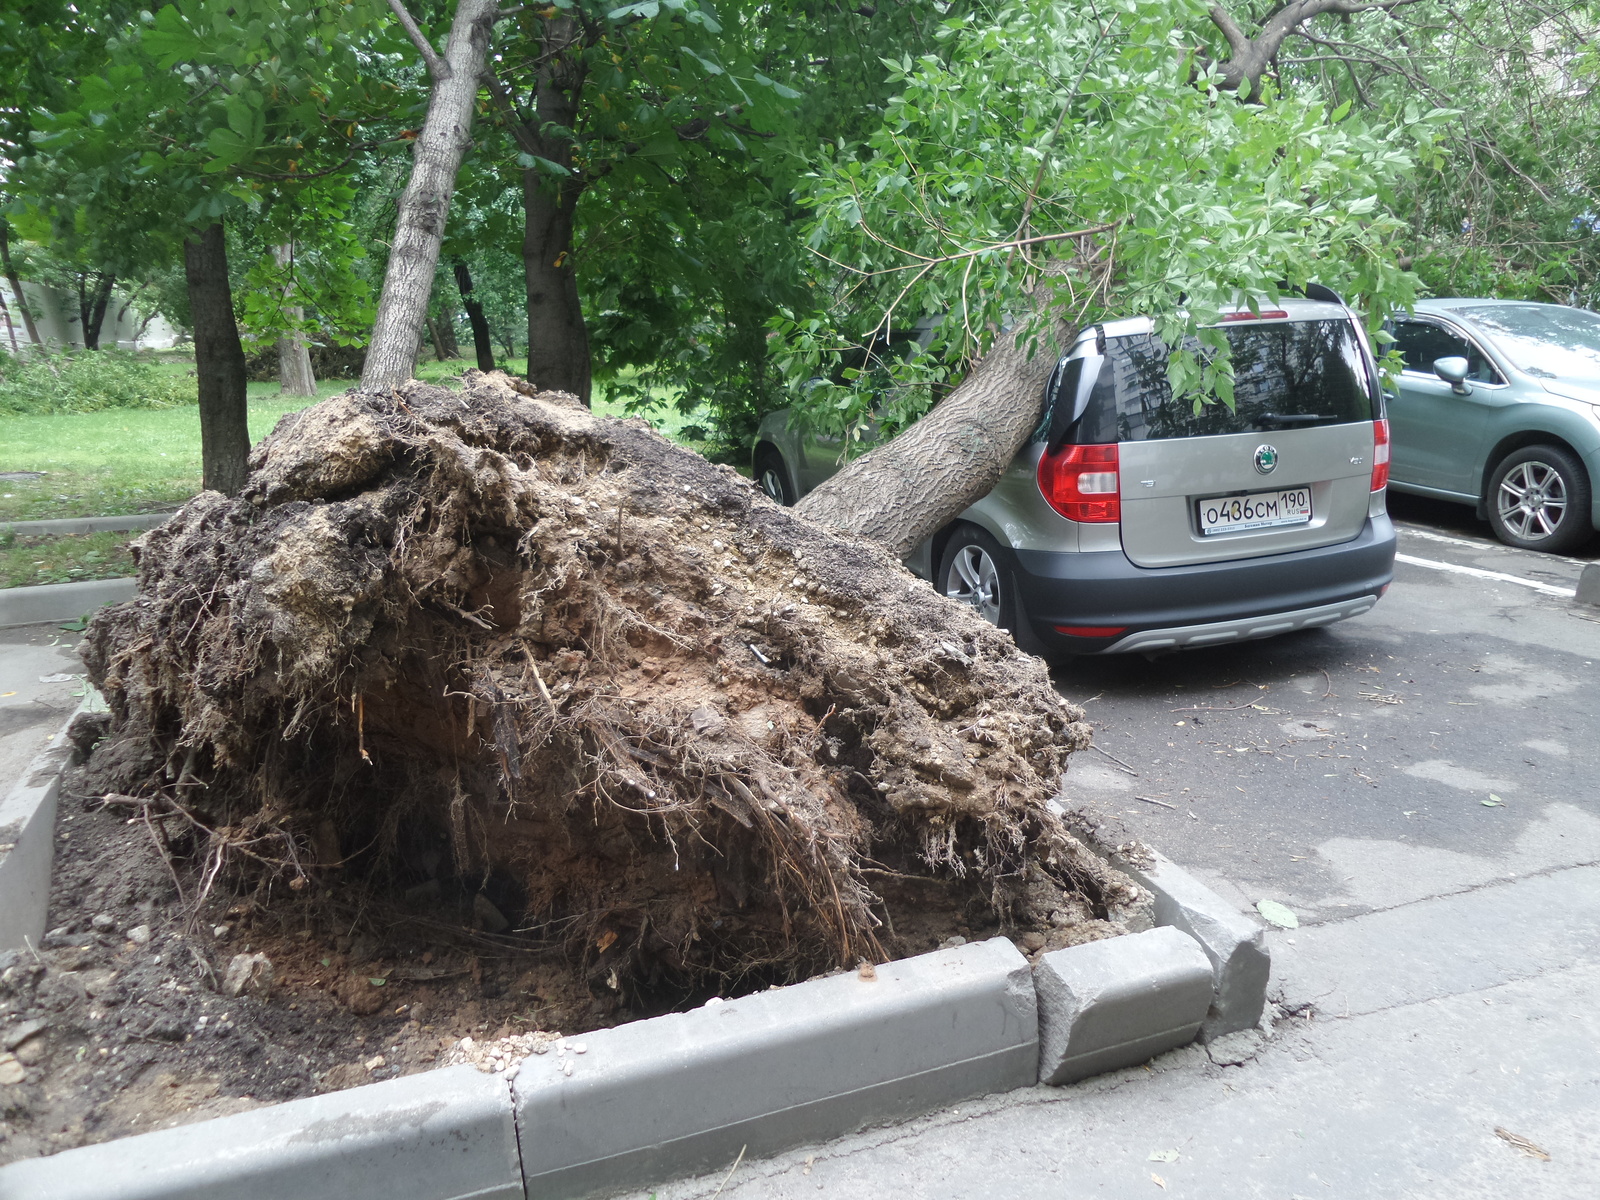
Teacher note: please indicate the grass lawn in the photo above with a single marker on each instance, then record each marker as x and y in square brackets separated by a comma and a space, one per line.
[133, 460]
[29, 560]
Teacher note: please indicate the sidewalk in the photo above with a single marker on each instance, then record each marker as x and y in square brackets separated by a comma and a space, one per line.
[31, 711]
[1432, 1024]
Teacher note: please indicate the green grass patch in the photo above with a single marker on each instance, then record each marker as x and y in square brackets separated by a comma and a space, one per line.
[25, 561]
[89, 381]
[129, 460]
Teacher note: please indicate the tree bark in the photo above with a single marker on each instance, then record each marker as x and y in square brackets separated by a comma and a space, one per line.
[11, 329]
[16, 284]
[482, 346]
[558, 339]
[1249, 57]
[219, 363]
[92, 303]
[446, 334]
[295, 377]
[438, 338]
[425, 205]
[912, 485]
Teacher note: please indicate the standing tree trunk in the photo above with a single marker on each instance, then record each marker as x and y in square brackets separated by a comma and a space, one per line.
[558, 339]
[92, 303]
[295, 377]
[11, 329]
[445, 334]
[482, 346]
[219, 363]
[425, 205]
[16, 284]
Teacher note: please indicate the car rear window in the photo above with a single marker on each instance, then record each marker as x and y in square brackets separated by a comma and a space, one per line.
[1287, 375]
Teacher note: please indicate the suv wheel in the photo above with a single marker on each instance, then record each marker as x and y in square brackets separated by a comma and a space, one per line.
[772, 479]
[972, 571]
[1539, 500]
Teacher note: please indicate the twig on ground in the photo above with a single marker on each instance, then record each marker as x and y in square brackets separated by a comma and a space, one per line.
[1153, 800]
[1115, 759]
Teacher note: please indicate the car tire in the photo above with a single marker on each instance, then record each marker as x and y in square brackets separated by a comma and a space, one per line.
[974, 570]
[772, 477]
[1539, 499]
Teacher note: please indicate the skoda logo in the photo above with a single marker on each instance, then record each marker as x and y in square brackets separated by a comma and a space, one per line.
[1266, 459]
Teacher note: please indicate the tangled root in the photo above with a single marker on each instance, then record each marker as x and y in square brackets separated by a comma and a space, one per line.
[488, 637]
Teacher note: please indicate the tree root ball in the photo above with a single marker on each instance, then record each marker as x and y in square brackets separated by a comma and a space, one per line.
[485, 644]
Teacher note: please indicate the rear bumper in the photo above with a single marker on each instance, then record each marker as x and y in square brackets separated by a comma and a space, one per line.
[1158, 608]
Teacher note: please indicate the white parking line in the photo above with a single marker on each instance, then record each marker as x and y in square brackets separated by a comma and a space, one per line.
[1548, 589]
[1429, 535]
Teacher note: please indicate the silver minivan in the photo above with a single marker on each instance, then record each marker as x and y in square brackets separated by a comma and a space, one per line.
[1131, 522]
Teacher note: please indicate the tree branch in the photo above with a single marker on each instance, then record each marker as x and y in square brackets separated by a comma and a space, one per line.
[437, 67]
[1251, 56]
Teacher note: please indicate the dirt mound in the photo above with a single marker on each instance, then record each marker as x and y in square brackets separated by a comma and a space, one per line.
[535, 669]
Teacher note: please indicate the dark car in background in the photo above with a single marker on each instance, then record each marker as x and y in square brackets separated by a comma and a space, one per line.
[1498, 406]
[1132, 522]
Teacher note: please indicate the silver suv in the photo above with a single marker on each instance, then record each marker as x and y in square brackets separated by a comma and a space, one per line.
[1131, 522]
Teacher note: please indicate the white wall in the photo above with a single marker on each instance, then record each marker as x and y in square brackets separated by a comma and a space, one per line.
[55, 314]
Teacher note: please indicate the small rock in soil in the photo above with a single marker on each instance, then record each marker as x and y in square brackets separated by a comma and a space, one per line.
[11, 1071]
[139, 935]
[248, 973]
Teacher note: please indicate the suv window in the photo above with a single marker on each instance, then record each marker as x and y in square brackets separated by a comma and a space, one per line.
[1422, 343]
[1286, 376]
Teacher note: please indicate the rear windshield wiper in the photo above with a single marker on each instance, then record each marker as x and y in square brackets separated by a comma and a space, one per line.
[1295, 418]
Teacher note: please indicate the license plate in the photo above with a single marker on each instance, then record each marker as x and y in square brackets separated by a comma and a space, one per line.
[1259, 510]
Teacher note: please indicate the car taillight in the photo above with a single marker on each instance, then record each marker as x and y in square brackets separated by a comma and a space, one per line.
[1081, 483]
[1380, 454]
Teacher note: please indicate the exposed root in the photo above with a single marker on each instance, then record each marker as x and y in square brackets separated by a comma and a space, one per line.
[608, 690]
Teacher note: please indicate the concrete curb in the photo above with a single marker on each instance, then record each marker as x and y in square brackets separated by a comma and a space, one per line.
[1589, 586]
[687, 1093]
[1237, 947]
[61, 525]
[47, 602]
[443, 1135]
[27, 843]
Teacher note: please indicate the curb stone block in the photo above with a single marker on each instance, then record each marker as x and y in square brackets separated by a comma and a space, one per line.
[60, 525]
[45, 602]
[1118, 1002]
[441, 1135]
[27, 845]
[1236, 945]
[1589, 585]
[685, 1093]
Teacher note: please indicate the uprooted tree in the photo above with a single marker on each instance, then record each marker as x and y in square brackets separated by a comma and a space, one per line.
[490, 638]
[486, 636]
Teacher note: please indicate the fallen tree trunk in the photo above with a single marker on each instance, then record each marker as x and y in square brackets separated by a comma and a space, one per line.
[489, 636]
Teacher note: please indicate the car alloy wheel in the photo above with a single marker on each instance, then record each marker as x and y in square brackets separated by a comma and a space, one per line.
[1532, 500]
[974, 579]
[1539, 500]
[772, 480]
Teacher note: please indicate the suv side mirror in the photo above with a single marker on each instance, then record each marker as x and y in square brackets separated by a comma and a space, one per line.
[1067, 395]
[1453, 370]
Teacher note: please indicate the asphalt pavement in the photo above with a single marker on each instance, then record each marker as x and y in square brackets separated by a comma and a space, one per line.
[1419, 786]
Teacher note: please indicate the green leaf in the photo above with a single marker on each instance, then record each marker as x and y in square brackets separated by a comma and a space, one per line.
[1277, 914]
